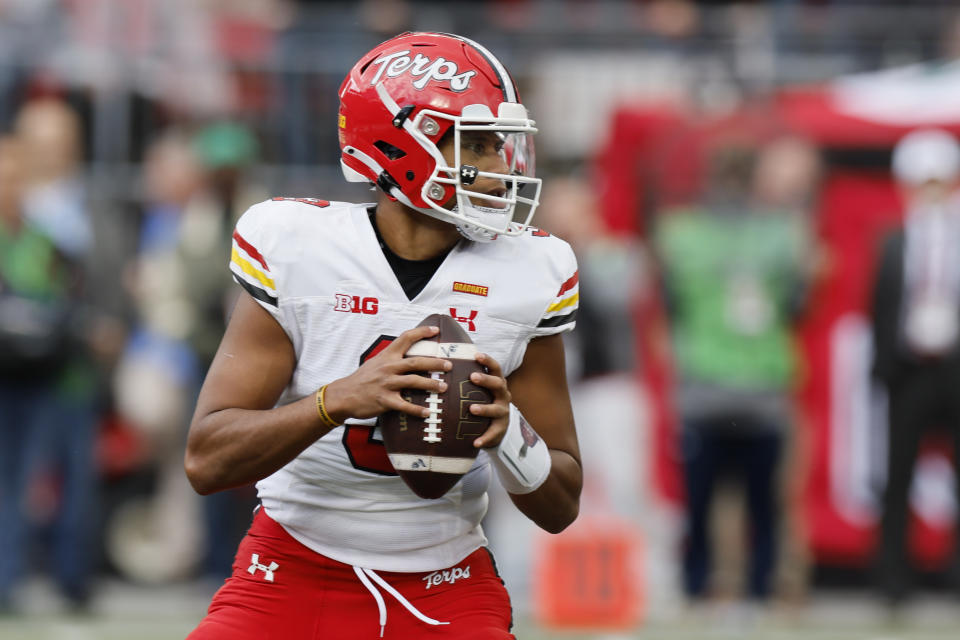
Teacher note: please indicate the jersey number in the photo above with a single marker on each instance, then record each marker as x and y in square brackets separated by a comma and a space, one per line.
[365, 451]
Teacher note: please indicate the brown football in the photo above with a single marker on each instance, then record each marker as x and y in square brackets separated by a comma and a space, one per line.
[432, 454]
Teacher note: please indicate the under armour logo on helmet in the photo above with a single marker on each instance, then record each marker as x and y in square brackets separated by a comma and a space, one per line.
[256, 566]
[468, 174]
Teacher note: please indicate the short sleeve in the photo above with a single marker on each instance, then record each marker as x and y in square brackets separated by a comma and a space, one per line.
[250, 260]
[560, 314]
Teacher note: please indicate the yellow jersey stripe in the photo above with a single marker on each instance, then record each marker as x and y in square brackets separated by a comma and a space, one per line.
[250, 270]
[563, 304]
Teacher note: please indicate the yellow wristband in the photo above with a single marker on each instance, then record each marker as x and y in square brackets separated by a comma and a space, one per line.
[322, 409]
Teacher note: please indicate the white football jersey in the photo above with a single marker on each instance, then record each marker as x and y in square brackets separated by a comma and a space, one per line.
[318, 268]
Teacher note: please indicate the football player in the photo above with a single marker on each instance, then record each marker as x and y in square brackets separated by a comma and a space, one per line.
[314, 353]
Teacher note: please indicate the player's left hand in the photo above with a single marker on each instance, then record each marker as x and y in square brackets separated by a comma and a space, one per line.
[499, 410]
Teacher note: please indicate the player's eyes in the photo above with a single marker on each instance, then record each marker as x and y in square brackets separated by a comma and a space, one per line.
[475, 147]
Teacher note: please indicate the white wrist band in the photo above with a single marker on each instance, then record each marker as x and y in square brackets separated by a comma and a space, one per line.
[521, 459]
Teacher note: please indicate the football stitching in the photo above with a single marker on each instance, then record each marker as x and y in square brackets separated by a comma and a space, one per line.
[431, 432]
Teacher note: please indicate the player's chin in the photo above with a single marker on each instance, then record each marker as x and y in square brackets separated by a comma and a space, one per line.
[492, 207]
[479, 201]
[487, 203]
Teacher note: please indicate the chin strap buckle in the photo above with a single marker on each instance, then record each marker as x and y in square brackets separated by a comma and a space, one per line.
[402, 115]
[386, 183]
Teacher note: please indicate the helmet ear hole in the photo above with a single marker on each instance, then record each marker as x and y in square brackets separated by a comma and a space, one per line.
[392, 152]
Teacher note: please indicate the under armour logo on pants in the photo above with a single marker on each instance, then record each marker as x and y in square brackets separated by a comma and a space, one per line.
[256, 566]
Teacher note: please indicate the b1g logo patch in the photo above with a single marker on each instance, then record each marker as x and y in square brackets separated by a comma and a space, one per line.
[355, 304]
[423, 69]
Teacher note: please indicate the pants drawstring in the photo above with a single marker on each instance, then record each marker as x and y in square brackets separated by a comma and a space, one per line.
[365, 575]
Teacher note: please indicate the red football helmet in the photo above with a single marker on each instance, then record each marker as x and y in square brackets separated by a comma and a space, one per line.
[400, 99]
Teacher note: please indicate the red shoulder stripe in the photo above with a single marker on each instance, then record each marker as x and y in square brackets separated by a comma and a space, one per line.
[571, 283]
[317, 202]
[250, 249]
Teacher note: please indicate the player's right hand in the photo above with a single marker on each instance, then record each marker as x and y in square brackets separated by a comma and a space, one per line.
[375, 387]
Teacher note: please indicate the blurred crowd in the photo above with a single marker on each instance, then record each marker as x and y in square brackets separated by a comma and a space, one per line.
[100, 367]
[133, 135]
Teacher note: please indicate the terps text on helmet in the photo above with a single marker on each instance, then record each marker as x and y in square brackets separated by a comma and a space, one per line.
[424, 69]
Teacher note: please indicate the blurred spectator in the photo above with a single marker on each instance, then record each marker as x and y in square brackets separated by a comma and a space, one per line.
[385, 17]
[734, 271]
[29, 32]
[611, 269]
[56, 203]
[158, 370]
[45, 404]
[165, 50]
[55, 200]
[675, 19]
[916, 313]
[950, 39]
[226, 150]
[196, 190]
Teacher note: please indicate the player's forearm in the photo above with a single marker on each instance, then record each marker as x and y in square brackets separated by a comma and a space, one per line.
[556, 503]
[233, 447]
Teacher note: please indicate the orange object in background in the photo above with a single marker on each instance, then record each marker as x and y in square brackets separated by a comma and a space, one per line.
[590, 576]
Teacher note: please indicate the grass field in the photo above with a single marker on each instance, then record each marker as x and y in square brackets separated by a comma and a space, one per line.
[173, 629]
[126, 612]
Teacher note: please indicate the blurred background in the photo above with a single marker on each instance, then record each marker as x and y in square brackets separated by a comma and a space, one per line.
[765, 365]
